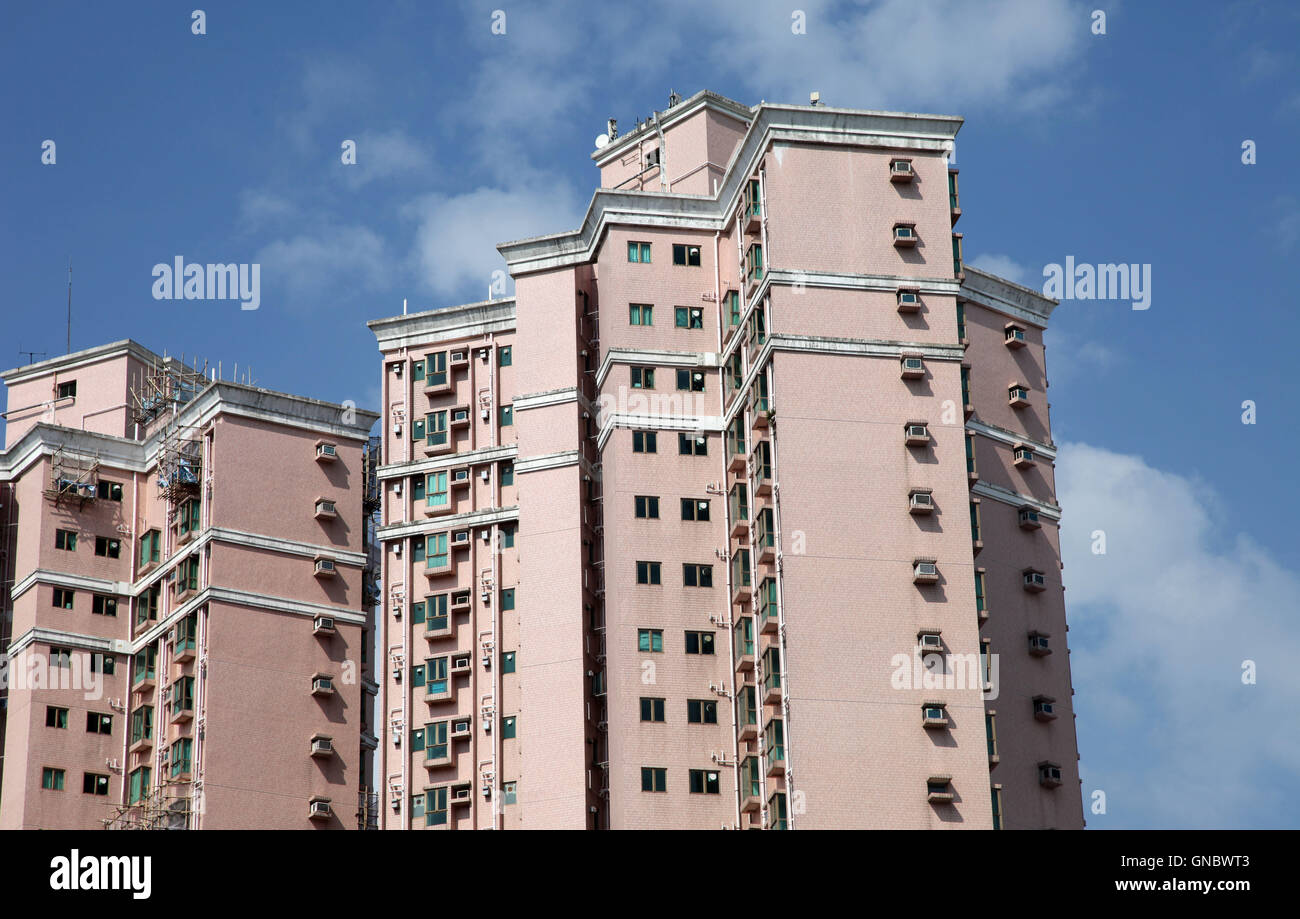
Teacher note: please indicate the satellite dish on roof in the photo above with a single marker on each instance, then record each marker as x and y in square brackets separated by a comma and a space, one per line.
[601, 140]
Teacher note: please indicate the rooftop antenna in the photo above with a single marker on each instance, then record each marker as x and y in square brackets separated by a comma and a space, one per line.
[403, 306]
[31, 355]
[673, 98]
[69, 304]
[611, 128]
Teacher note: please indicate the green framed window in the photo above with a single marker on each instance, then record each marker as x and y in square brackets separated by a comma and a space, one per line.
[187, 631]
[417, 371]
[141, 780]
[507, 473]
[738, 502]
[56, 717]
[751, 784]
[417, 613]
[974, 521]
[754, 263]
[997, 807]
[437, 676]
[747, 705]
[181, 752]
[654, 779]
[65, 540]
[508, 599]
[772, 669]
[417, 429]
[418, 549]
[437, 617]
[643, 378]
[435, 807]
[767, 600]
[704, 782]
[981, 600]
[699, 642]
[505, 356]
[182, 695]
[731, 300]
[744, 636]
[150, 546]
[508, 661]
[417, 680]
[638, 252]
[736, 438]
[774, 741]
[509, 793]
[142, 724]
[145, 665]
[417, 739]
[641, 314]
[417, 807]
[436, 743]
[436, 489]
[961, 321]
[435, 369]
[187, 574]
[435, 429]
[651, 640]
[508, 535]
[509, 726]
[146, 608]
[740, 573]
[753, 199]
[52, 779]
[417, 488]
[965, 386]
[685, 254]
[189, 516]
[765, 529]
[507, 415]
[688, 317]
[777, 818]
[437, 555]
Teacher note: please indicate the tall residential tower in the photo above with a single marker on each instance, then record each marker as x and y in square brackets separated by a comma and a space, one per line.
[741, 513]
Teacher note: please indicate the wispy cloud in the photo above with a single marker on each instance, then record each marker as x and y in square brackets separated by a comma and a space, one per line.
[323, 268]
[1004, 266]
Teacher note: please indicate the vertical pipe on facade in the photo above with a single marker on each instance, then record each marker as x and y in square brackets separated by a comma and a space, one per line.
[728, 618]
[493, 420]
[131, 614]
[408, 577]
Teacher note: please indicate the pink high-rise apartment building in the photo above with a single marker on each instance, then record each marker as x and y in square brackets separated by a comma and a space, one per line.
[186, 595]
[740, 514]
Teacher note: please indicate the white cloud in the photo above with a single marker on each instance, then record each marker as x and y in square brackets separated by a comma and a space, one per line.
[1004, 266]
[318, 268]
[384, 155]
[258, 207]
[455, 243]
[1160, 626]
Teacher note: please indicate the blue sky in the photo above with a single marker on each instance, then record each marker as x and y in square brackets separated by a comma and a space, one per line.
[1122, 147]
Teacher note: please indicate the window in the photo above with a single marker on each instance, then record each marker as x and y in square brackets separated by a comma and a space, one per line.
[688, 317]
[435, 807]
[92, 783]
[508, 599]
[52, 779]
[731, 300]
[641, 314]
[150, 545]
[437, 676]
[753, 199]
[102, 663]
[740, 574]
[60, 657]
[744, 636]
[650, 639]
[436, 616]
[436, 553]
[505, 356]
[417, 429]
[436, 745]
[145, 665]
[507, 415]
[653, 779]
[187, 574]
[140, 782]
[692, 445]
[765, 529]
[777, 819]
[436, 490]
[189, 517]
[695, 509]
[965, 386]
[704, 782]
[738, 502]
[508, 535]
[970, 454]
[961, 321]
[417, 613]
[697, 575]
[736, 438]
[699, 642]
[981, 602]
[772, 669]
[991, 732]
[645, 442]
[643, 378]
[975, 521]
[103, 606]
[182, 695]
[418, 548]
[142, 724]
[638, 252]
[997, 806]
[417, 738]
[686, 255]
[417, 371]
[63, 598]
[435, 369]
[435, 429]
[509, 792]
[647, 573]
[701, 711]
[747, 702]
[108, 548]
[56, 717]
[507, 473]
[109, 491]
[508, 661]
[98, 724]
[647, 507]
[754, 263]
[68, 390]
[509, 727]
[774, 741]
[65, 539]
[690, 380]
[767, 600]
[652, 709]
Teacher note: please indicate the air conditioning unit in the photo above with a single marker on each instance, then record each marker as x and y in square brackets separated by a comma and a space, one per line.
[1039, 645]
[326, 451]
[1024, 456]
[1044, 709]
[931, 641]
[1034, 581]
[1029, 519]
[326, 509]
[460, 475]
[460, 663]
[325, 566]
[917, 435]
[913, 368]
[460, 728]
[322, 746]
[460, 538]
[322, 686]
[909, 301]
[921, 502]
[1049, 774]
[934, 715]
[900, 170]
[925, 572]
[459, 357]
[1017, 395]
[460, 793]
[1015, 336]
[904, 235]
[460, 600]
[320, 810]
[324, 625]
